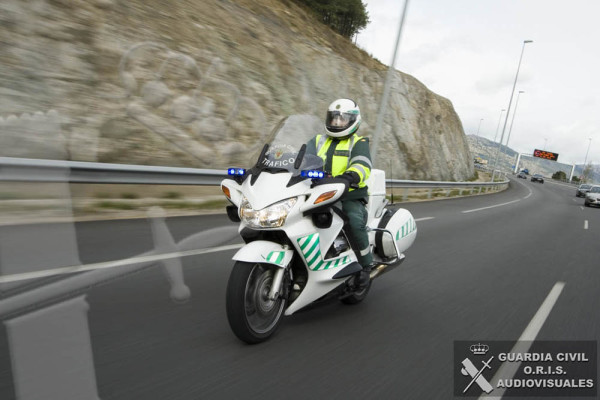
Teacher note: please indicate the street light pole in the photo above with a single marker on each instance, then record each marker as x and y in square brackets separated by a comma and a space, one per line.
[586, 155]
[512, 122]
[477, 134]
[386, 90]
[508, 109]
[498, 127]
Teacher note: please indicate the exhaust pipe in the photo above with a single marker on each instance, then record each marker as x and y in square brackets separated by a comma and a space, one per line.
[381, 269]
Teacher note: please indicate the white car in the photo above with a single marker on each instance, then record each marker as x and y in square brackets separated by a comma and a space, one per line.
[592, 198]
[582, 190]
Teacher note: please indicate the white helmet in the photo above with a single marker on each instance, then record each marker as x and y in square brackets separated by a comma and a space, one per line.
[343, 118]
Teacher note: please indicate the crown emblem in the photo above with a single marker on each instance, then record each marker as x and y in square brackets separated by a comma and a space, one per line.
[479, 348]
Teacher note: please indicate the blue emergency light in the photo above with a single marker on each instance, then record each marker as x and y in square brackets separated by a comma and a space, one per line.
[236, 171]
[312, 174]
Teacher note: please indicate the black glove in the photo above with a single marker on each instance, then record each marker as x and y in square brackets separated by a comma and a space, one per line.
[352, 178]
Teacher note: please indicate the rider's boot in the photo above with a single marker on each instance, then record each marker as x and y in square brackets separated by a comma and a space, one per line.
[363, 277]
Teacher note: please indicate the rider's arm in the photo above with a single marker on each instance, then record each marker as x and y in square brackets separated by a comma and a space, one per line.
[360, 160]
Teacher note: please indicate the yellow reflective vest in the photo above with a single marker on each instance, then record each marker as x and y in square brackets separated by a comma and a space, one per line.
[341, 155]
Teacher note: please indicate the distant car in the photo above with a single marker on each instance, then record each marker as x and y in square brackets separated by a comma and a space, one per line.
[522, 175]
[537, 178]
[582, 190]
[592, 198]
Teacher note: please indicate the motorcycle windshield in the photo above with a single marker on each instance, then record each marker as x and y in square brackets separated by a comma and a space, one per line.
[285, 146]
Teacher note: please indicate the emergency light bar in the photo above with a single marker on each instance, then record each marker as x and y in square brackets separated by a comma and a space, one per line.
[312, 174]
[236, 171]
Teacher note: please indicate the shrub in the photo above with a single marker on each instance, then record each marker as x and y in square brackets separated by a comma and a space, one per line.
[171, 195]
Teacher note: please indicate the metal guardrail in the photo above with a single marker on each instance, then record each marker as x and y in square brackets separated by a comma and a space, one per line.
[34, 170]
[397, 183]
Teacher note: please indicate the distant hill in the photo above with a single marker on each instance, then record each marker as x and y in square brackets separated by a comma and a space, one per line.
[486, 149]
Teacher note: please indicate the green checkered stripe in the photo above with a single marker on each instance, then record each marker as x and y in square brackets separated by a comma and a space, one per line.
[276, 257]
[309, 247]
[409, 227]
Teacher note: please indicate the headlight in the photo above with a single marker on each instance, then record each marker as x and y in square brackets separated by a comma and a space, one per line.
[272, 216]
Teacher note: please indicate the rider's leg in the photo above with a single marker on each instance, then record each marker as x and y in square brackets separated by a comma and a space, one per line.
[357, 219]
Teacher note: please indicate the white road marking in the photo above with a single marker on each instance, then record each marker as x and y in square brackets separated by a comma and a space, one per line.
[509, 369]
[526, 187]
[486, 208]
[530, 333]
[585, 224]
[582, 208]
[502, 204]
[530, 193]
[424, 219]
[113, 264]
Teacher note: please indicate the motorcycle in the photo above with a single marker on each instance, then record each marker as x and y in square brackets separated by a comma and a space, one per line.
[296, 248]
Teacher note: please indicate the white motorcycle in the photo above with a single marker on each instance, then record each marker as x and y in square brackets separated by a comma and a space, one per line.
[297, 250]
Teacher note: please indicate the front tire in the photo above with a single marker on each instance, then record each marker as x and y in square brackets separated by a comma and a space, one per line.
[252, 316]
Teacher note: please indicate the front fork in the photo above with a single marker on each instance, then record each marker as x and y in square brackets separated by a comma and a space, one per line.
[269, 253]
[276, 286]
[275, 291]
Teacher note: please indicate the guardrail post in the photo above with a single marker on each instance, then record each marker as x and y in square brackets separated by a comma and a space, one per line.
[429, 193]
[51, 353]
[405, 195]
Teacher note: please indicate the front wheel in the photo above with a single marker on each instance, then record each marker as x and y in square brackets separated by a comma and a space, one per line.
[253, 317]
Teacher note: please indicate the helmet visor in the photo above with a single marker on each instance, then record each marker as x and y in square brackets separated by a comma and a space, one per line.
[337, 121]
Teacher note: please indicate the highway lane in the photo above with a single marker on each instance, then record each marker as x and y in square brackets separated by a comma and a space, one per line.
[476, 275]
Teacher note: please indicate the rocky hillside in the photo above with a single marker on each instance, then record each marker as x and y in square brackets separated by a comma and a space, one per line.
[198, 83]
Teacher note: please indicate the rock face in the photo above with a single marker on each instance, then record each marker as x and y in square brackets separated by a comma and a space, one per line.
[199, 83]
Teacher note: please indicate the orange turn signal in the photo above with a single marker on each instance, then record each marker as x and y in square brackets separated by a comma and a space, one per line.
[325, 196]
[225, 190]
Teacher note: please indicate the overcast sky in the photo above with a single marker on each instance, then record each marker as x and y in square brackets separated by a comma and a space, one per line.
[468, 51]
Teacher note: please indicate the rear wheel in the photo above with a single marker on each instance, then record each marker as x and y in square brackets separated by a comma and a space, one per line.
[357, 296]
[253, 317]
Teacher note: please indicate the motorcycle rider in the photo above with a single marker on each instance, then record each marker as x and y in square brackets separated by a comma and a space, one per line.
[346, 155]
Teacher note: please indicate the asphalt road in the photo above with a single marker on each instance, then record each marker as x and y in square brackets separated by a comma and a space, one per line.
[479, 270]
